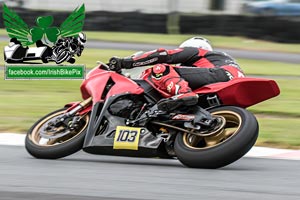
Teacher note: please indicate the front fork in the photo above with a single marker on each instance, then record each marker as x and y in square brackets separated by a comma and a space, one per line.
[73, 110]
[68, 122]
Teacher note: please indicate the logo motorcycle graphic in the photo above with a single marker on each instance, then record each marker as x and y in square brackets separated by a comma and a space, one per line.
[53, 43]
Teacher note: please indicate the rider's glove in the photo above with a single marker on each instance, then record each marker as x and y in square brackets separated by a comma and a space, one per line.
[115, 64]
[80, 50]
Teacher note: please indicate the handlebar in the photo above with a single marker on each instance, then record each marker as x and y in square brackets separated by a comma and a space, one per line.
[104, 65]
[108, 69]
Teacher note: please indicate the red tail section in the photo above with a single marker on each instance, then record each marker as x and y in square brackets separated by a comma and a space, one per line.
[243, 92]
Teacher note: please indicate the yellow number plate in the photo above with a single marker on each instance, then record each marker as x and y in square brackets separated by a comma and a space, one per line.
[127, 138]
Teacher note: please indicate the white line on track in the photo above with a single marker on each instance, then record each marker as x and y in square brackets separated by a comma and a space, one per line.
[262, 152]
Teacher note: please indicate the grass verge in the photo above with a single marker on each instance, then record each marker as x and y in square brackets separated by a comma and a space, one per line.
[260, 67]
[278, 132]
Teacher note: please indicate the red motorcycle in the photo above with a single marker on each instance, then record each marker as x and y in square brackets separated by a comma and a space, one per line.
[119, 116]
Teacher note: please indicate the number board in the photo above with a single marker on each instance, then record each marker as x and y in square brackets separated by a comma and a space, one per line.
[127, 138]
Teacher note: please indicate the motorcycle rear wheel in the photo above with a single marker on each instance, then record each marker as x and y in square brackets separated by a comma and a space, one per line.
[40, 147]
[228, 145]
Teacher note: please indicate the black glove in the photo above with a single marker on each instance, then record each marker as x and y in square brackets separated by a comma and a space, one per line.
[115, 64]
[80, 50]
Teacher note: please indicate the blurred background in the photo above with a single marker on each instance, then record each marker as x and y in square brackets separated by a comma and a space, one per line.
[263, 35]
[275, 20]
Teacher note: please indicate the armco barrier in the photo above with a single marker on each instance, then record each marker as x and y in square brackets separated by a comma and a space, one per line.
[126, 21]
[104, 21]
[267, 28]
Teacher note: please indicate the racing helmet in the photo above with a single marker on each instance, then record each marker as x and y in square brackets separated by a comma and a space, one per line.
[81, 38]
[198, 42]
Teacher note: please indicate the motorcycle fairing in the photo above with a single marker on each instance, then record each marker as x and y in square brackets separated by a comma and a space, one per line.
[106, 86]
[100, 138]
[150, 93]
[101, 84]
[243, 92]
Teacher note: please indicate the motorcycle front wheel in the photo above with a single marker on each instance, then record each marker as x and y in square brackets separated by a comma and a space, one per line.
[62, 56]
[58, 141]
[230, 143]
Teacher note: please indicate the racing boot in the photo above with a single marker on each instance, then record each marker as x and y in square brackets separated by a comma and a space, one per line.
[186, 99]
[168, 80]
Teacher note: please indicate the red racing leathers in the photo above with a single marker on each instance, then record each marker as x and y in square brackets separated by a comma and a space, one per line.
[188, 56]
[200, 67]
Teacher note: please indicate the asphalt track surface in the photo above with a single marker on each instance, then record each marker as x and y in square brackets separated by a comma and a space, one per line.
[90, 177]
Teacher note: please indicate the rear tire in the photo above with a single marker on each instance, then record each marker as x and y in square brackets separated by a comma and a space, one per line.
[239, 135]
[64, 146]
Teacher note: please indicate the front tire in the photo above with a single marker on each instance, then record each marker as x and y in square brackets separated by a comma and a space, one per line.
[234, 141]
[54, 148]
[62, 56]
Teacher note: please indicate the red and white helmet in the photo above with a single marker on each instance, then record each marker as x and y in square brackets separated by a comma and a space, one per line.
[198, 42]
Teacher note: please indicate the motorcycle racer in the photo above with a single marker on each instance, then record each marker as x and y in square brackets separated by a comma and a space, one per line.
[66, 48]
[202, 64]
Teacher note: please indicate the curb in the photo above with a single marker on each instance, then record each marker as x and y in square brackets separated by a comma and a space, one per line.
[256, 152]
[12, 139]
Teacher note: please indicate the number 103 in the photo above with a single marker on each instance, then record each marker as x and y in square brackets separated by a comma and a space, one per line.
[127, 136]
